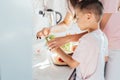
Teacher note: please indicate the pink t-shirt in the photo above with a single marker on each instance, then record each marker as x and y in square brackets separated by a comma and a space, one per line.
[112, 31]
[110, 6]
[90, 53]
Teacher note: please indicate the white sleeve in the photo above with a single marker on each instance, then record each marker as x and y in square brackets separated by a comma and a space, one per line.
[106, 46]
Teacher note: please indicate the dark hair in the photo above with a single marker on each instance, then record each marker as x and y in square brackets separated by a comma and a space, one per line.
[94, 6]
[74, 2]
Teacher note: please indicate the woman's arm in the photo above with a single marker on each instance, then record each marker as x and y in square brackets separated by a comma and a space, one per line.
[61, 27]
[104, 20]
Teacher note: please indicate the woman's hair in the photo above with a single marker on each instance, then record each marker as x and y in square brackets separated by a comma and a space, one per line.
[94, 6]
[74, 2]
[90, 0]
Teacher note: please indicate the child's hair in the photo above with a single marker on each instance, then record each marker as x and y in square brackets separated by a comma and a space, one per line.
[94, 6]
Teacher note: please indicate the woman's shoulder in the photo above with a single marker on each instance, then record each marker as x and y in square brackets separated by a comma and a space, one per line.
[110, 6]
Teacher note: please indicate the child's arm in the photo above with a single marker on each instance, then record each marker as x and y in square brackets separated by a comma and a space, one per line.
[59, 41]
[67, 58]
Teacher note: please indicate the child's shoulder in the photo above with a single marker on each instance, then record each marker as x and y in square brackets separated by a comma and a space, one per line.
[89, 38]
[88, 41]
[93, 37]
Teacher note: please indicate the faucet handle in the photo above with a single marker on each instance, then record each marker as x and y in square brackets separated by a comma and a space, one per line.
[42, 13]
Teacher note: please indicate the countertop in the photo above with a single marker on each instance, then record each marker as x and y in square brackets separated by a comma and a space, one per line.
[44, 69]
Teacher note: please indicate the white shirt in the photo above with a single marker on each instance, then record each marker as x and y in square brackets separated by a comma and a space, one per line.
[90, 54]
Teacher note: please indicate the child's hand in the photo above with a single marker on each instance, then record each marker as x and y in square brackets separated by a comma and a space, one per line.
[106, 58]
[55, 50]
[58, 42]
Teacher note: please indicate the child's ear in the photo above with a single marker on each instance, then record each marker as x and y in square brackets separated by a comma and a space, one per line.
[89, 15]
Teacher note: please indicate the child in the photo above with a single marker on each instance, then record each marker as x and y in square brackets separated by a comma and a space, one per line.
[88, 58]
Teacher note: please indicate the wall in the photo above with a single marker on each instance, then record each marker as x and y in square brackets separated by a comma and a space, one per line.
[15, 40]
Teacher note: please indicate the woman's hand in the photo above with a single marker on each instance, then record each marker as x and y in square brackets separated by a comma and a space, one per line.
[43, 32]
[106, 58]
